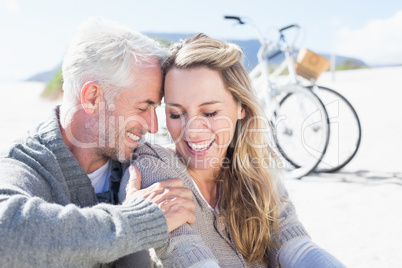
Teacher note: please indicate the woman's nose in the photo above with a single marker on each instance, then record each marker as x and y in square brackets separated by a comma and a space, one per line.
[196, 126]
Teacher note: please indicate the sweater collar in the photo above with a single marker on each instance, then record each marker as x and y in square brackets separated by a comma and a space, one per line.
[76, 178]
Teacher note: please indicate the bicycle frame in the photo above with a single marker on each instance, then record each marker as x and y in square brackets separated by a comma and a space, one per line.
[261, 73]
[285, 95]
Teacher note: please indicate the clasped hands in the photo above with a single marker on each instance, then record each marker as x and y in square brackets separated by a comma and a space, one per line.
[170, 195]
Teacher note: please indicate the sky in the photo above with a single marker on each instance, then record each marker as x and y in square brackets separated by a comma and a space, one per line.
[35, 34]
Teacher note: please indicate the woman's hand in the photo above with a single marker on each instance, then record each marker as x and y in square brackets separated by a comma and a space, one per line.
[170, 195]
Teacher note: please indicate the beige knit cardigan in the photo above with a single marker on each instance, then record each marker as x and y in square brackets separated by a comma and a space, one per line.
[207, 239]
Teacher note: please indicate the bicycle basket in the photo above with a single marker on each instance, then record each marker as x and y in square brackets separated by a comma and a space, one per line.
[310, 65]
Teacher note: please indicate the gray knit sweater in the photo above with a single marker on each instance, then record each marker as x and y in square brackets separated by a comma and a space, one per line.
[49, 213]
[208, 238]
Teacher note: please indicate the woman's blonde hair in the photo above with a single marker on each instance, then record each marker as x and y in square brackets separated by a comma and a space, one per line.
[249, 194]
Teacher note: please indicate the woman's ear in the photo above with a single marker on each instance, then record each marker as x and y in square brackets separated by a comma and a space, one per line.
[91, 94]
[241, 112]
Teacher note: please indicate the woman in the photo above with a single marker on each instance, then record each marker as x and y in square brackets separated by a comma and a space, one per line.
[223, 154]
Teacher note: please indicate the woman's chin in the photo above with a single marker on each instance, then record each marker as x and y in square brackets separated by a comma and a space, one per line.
[211, 158]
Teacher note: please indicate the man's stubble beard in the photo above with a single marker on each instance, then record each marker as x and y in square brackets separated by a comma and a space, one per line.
[102, 133]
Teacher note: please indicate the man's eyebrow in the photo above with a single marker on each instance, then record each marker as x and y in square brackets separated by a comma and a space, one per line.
[150, 102]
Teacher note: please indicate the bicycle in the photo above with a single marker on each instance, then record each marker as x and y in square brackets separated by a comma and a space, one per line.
[338, 109]
[345, 130]
[299, 118]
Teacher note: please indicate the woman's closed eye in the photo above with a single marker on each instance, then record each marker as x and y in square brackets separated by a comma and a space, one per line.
[210, 114]
[178, 115]
[175, 115]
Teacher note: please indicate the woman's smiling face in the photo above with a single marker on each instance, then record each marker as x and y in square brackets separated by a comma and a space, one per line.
[201, 115]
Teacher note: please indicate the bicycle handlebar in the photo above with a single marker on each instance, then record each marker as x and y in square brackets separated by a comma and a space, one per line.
[273, 55]
[235, 18]
[260, 36]
[288, 27]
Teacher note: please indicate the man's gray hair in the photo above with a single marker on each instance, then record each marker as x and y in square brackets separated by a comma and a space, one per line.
[105, 52]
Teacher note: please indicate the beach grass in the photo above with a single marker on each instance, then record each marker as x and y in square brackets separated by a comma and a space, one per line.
[54, 89]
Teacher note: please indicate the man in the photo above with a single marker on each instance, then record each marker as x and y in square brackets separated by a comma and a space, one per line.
[59, 184]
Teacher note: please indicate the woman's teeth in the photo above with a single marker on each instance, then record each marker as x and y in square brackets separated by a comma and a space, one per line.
[200, 146]
[132, 136]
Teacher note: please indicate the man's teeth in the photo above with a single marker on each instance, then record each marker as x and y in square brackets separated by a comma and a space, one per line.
[200, 147]
[132, 136]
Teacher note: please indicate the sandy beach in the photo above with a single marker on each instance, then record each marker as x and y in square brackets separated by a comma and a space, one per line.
[356, 214]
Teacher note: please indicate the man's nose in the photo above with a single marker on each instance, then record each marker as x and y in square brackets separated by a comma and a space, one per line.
[152, 121]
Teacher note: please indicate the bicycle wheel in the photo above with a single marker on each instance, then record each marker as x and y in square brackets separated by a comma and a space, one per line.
[301, 130]
[345, 135]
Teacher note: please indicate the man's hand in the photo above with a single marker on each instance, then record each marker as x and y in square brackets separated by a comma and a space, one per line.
[170, 195]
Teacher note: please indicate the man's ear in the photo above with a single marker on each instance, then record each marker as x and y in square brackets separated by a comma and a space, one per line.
[91, 94]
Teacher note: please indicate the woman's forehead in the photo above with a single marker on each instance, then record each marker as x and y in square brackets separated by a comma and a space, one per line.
[195, 84]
